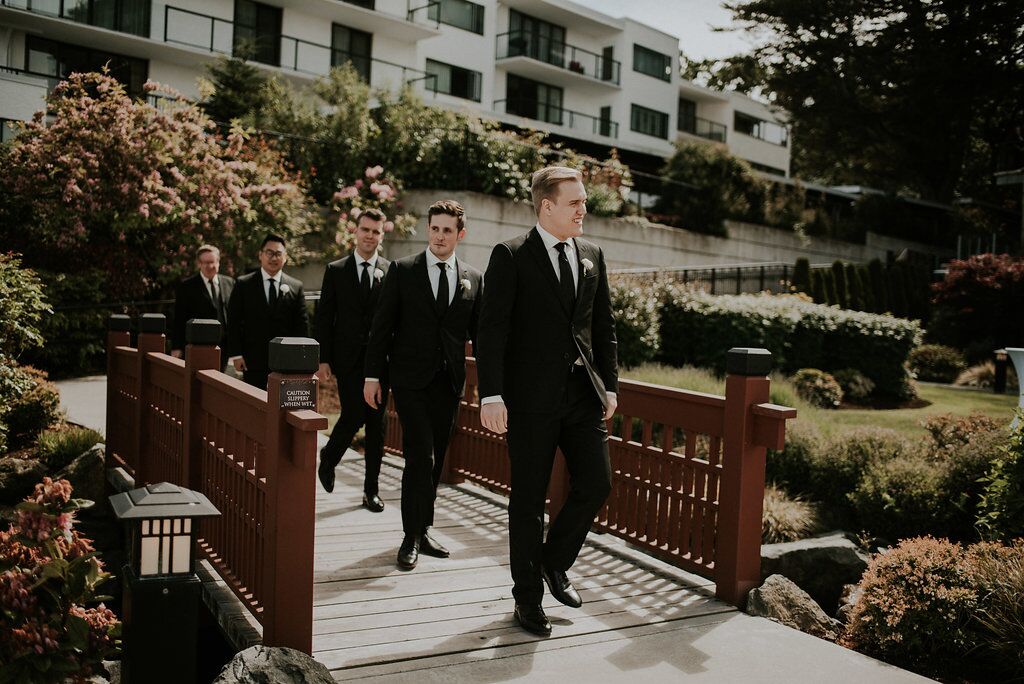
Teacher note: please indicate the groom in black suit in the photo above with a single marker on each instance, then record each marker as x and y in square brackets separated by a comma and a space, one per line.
[548, 376]
[348, 300]
[428, 308]
[265, 304]
[202, 295]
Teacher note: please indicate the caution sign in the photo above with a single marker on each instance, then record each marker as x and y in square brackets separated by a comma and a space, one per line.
[298, 394]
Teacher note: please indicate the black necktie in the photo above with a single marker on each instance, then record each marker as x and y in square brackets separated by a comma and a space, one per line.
[273, 293]
[364, 281]
[216, 301]
[565, 284]
[442, 288]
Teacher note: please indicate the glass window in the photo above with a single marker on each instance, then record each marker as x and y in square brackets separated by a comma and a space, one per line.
[453, 80]
[769, 131]
[652, 63]
[368, 4]
[353, 46]
[687, 115]
[533, 99]
[535, 38]
[61, 60]
[767, 169]
[648, 121]
[257, 32]
[126, 16]
[459, 13]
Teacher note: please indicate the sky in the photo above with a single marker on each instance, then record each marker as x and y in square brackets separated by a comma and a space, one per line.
[691, 20]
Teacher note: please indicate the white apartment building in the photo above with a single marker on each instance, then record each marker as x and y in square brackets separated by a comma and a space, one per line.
[596, 81]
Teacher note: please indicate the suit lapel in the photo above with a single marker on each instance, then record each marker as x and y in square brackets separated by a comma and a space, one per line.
[420, 267]
[535, 244]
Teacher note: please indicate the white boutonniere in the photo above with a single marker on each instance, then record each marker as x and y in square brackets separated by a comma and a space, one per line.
[587, 265]
[378, 274]
[285, 289]
[465, 284]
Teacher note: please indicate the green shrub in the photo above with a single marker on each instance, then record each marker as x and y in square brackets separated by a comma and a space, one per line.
[949, 431]
[901, 498]
[839, 280]
[916, 607]
[854, 297]
[33, 410]
[635, 306]
[59, 447]
[936, 363]
[786, 518]
[794, 466]
[1000, 572]
[817, 388]
[983, 375]
[856, 386]
[1001, 509]
[22, 305]
[802, 275]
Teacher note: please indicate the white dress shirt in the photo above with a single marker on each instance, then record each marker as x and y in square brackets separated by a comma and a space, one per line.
[359, 267]
[266, 286]
[434, 273]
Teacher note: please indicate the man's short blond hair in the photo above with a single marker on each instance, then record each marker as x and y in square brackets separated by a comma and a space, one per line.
[203, 249]
[546, 182]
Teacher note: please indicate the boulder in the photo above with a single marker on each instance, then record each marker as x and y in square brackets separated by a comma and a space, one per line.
[819, 565]
[17, 478]
[87, 475]
[273, 665]
[781, 600]
[851, 594]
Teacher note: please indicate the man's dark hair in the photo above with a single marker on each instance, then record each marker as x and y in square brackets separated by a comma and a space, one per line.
[375, 214]
[273, 237]
[448, 208]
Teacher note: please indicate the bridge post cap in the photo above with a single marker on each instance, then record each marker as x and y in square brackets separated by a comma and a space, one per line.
[119, 322]
[152, 323]
[294, 355]
[748, 361]
[205, 331]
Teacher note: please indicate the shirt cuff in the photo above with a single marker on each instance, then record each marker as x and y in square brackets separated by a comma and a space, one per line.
[494, 399]
[612, 395]
[372, 379]
[231, 359]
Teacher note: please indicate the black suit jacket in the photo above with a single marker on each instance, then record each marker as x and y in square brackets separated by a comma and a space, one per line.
[410, 337]
[343, 319]
[252, 323]
[192, 300]
[529, 340]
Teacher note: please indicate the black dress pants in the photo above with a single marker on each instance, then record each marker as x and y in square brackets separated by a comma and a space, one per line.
[355, 413]
[428, 419]
[578, 429]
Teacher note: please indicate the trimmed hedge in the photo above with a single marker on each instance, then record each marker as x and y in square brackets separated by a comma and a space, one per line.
[635, 307]
[698, 328]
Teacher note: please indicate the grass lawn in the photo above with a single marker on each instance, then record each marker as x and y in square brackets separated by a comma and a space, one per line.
[943, 398]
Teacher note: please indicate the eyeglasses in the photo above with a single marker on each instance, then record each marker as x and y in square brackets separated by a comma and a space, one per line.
[273, 253]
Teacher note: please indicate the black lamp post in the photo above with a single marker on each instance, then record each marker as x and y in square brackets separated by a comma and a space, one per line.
[161, 589]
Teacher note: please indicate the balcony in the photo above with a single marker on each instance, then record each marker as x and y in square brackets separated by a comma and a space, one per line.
[131, 18]
[703, 128]
[556, 116]
[554, 62]
[411, 26]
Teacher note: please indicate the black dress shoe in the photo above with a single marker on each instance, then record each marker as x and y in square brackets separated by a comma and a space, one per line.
[532, 619]
[372, 502]
[326, 473]
[409, 552]
[561, 588]
[431, 547]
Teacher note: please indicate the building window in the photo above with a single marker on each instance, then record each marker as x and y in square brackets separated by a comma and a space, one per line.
[652, 63]
[368, 4]
[453, 80]
[769, 131]
[257, 32]
[605, 122]
[687, 120]
[458, 13]
[535, 38]
[649, 122]
[352, 46]
[50, 58]
[126, 16]
[767, 169]
[533, 99]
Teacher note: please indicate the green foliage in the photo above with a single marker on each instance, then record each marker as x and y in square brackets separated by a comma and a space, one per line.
[59, 447]
[817, 388]
[839, 280]
[786, 518]
[818, 287]
[239, 90]
[901, 497]
[1001, 509]
[22, 305]
[32, 405]
[856, 386]
[49, 575]
[1000, 573]
[75, 332]
[879, 288]
[635, 306]
[854, 297]
[936, 363]
[802, 275]
[867, 292]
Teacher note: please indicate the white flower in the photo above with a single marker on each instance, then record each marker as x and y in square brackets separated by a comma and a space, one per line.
[285, 289]
[587, 265]
[378, 274]
[465, 284]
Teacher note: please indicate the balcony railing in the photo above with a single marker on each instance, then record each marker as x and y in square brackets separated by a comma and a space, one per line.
[420, 13]
[562, 55]
[134, 21]
[703, 128]
[542, 111]
[197, 30]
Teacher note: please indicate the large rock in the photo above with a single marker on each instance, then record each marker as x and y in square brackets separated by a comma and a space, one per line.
[781, 600]
[17, 478]
[821, 566]
[273, 665]
[86, 475]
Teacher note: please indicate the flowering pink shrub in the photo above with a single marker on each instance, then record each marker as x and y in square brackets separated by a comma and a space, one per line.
[48, 575]
[376, 192]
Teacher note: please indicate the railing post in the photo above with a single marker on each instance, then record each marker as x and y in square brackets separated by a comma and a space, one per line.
[288, 569]
[151, 339]
[202, 335]
[118, 335]
[741, 489]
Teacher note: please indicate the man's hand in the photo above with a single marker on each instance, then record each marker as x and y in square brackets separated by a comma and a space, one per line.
[494, 417]
[178, 353]
[239, 363]
[372, 393]
[613, 403]
[324, 372]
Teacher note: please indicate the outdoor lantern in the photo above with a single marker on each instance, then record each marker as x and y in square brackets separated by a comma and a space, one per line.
[161, 590]
[999, 382]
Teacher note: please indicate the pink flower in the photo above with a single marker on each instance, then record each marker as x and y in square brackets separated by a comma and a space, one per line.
[389, 226]
[338, 238]
[374, 171]
[359, 183]
[344, 216]
[346, 193]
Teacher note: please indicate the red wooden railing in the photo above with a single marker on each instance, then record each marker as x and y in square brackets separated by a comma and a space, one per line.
[687, 472]
[185, 422]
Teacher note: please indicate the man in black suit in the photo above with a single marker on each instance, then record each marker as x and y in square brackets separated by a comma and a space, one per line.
[265, 304]
[348, 299]
[429, 305]
[548, 375]
[202, 295]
